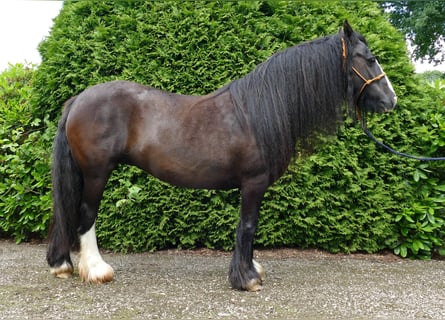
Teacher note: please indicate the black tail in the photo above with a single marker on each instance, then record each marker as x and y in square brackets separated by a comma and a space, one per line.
[67, 187]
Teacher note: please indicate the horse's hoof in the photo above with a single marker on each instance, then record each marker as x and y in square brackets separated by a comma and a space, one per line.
[64, 271]
[249, 280]
[254, 285]
[99, 272]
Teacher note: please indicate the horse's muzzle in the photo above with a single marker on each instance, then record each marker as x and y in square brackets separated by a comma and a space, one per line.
[386, 105]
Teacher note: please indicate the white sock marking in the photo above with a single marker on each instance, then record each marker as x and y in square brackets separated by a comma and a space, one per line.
[92, 268]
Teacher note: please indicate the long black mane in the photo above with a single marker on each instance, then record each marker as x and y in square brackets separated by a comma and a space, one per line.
[293, 94]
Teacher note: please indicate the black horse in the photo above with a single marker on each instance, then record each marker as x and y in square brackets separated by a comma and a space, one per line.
[240, 136]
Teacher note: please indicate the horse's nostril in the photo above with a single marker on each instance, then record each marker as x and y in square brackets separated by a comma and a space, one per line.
[385, 105]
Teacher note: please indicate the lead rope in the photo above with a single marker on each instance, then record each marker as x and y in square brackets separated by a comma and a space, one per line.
[388, 148]
[363, 120]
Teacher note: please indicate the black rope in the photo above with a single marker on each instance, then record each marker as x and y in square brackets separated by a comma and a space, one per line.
[381, 144]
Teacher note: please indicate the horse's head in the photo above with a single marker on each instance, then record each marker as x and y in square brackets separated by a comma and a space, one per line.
[371, 89]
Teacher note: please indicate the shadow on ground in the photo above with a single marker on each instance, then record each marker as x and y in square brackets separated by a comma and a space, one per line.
[193, 285]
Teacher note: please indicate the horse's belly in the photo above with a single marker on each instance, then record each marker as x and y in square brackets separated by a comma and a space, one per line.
[193, 173]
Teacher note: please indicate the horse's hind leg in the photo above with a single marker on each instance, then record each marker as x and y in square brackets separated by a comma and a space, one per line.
[92, 268]
[245, 273]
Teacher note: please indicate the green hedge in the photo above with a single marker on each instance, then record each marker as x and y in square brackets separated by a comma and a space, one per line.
[348, 196]
[25, 155]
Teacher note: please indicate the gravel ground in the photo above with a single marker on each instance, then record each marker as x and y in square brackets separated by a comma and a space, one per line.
[193, 285]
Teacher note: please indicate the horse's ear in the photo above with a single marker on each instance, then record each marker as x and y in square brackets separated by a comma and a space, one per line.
[347, 29]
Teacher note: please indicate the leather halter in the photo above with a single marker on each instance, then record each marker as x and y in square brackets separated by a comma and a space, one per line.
[363, 121]
[366, 82]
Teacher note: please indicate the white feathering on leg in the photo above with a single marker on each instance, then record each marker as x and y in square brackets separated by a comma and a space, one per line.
[92, 268]
[256, 284]
[63, 271]
[259, 268]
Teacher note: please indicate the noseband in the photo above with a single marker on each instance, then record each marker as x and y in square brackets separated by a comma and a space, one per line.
[366, 82]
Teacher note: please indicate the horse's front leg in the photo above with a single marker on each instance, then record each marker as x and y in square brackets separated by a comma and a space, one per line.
[245, 273]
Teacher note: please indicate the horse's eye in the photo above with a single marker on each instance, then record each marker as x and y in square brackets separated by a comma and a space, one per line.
[372, 60]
